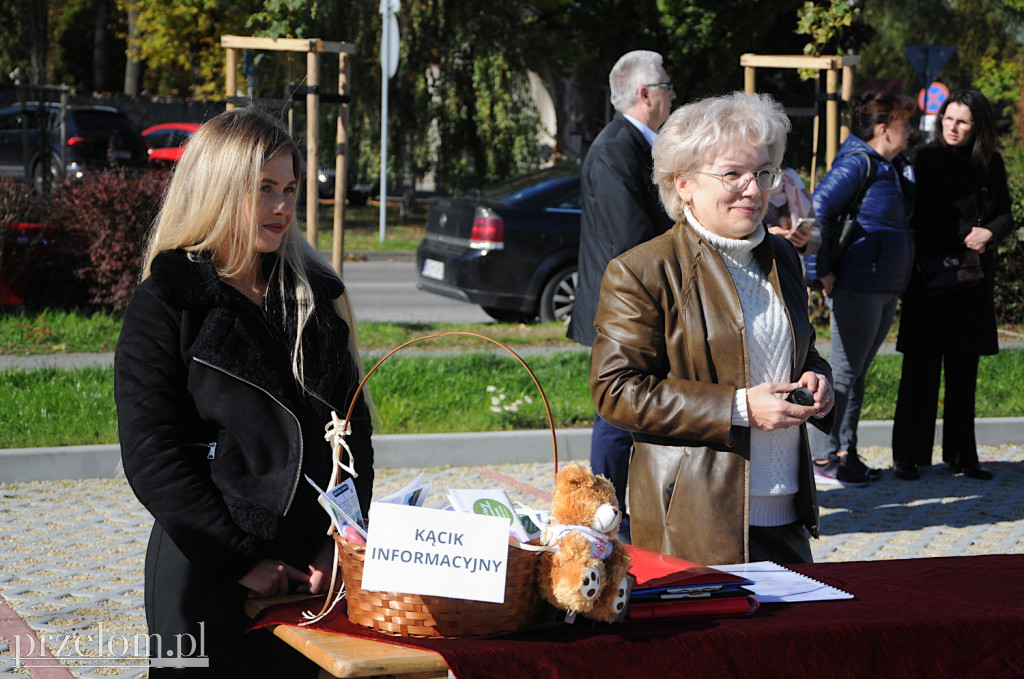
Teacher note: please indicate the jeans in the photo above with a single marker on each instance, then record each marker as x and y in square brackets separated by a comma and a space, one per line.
[610, 449]
[860, 322]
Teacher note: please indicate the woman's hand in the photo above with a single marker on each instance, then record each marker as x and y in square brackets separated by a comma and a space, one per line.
[978, 238]
[801, 234]
[827, 281]
[320, 570]
[798, 235]
[768, 412]
[824, 397]
[270, 578]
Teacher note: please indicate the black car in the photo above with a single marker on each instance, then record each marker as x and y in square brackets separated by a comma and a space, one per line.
[511, 249]
[95, 136]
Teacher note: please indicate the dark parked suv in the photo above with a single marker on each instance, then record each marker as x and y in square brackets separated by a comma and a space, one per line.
[95, 137]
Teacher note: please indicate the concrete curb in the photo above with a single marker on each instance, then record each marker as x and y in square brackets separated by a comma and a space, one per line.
[433, 450]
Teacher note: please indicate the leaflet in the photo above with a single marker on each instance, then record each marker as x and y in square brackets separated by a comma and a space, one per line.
[489, 502]
[412, 494]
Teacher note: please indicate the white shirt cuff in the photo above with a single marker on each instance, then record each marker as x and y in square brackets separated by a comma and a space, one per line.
[740, 417]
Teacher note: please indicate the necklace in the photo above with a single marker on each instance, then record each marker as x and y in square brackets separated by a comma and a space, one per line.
[256, 292]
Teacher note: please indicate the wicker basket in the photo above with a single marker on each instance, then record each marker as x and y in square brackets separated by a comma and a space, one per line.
[414, 615]
[433, 616]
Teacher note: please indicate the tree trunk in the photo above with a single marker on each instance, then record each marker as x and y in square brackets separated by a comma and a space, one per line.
[133, 67]
[101, 38]
[38, 12]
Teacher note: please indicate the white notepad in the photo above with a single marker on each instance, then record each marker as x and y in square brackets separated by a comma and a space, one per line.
[777, 584]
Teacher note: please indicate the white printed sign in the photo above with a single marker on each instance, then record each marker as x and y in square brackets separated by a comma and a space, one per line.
[416, 550]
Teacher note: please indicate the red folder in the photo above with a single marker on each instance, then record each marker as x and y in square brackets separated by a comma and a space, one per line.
[653, 570]
[692, 608]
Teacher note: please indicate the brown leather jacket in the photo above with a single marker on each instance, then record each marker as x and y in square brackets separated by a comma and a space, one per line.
[671, 350]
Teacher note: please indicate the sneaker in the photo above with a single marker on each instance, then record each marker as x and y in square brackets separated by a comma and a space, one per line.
[854, 462]
[838, 473]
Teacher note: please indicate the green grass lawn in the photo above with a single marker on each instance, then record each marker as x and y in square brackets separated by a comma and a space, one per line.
[466, 391]
[362, 228]
[54, 332]
[445, 384]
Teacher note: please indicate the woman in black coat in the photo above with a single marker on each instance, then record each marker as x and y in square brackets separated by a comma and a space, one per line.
[235, 349]
[963, 206]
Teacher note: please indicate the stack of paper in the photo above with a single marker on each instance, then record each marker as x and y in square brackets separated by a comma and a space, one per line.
[777, 584]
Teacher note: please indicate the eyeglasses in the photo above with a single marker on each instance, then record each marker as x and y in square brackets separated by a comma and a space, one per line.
[667, 86]
[767, 179]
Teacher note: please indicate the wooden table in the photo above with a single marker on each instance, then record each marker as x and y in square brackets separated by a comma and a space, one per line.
[342, 656]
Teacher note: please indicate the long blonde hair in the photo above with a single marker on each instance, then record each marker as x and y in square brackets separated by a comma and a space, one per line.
[204, 211]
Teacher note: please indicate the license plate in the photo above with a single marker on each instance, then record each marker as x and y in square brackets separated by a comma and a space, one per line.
[433, 269]
[123, 155]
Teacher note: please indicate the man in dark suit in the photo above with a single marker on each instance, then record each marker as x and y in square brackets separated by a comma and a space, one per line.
[621, 209]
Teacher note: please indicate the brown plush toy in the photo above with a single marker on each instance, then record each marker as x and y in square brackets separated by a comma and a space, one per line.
[584, 571]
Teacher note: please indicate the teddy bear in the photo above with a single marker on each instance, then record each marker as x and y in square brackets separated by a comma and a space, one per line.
[584, 569]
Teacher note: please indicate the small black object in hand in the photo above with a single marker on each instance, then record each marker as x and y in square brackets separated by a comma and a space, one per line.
[802, 396]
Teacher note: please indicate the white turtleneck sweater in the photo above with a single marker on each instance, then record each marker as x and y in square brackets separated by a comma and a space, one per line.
[774, 456]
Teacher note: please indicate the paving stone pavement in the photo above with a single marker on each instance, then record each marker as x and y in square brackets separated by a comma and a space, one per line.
[72, 552]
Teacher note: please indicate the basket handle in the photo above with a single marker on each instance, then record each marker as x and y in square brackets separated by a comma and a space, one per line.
[547, 407]
[330, 601]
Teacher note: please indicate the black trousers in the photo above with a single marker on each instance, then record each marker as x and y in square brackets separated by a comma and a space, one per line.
[913, 431]
[786, 544]
[190, 614]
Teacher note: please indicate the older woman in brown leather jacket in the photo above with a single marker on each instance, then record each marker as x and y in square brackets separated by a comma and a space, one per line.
[702, 333]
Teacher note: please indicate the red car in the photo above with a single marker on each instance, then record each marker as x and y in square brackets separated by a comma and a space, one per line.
[166, 141]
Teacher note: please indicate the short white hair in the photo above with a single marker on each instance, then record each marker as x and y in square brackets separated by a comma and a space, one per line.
[697, 132]
[632, 71]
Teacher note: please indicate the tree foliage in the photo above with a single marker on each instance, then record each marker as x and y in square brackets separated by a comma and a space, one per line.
[986, 34]
[707, 37]
[180, 42]
[458, 105]
[824, 24]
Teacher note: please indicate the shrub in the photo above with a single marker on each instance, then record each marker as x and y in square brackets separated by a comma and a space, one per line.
[18, 203]
[1009, 282]
[104, 219]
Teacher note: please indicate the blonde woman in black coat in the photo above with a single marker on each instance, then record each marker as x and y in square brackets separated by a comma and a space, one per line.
[235, 349]
[963, 206]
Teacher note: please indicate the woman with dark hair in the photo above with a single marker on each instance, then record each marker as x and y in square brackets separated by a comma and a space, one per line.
[863, 282]
[962, 212]
[236, 347]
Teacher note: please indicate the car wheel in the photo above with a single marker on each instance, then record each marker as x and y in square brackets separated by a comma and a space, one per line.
[559, 295]
[506, 315]
[38, 175]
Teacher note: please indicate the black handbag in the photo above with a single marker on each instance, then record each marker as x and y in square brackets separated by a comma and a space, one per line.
[847, 221]
[957, 271]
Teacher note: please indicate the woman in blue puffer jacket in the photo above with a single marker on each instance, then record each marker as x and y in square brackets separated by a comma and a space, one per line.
[863, 283]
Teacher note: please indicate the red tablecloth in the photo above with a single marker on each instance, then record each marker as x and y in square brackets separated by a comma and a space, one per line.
[942, 617]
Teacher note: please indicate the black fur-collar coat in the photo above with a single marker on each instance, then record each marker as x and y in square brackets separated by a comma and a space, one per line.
[213, 427]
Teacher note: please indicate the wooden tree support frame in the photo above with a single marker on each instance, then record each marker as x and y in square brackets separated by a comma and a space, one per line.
[313, 47]
[838, 84]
